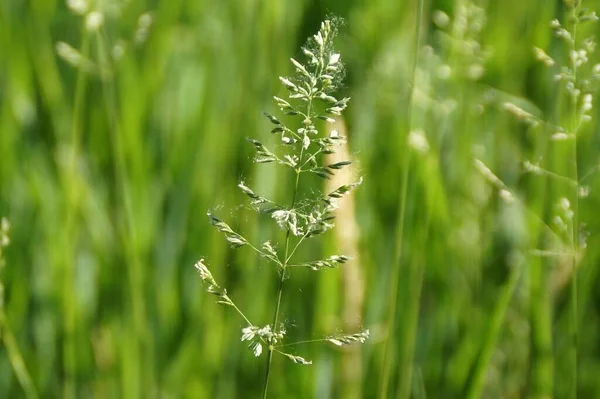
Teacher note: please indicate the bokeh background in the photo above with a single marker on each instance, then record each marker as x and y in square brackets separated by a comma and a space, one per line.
[116, 138]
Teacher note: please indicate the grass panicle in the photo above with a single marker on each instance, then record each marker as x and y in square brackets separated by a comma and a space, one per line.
[311, 97]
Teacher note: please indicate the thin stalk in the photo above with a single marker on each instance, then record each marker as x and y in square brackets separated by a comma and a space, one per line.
[411, 319]
[270, 355]
[286, 259]
[241, 313]
[280, 290]
[574, 227]
[564, 179]
[574, 280]
[542, 367]
[141, 345]
[295, 248]
[493, 333]
[264, 255]
[71, 210]
[391, 317]
[16, 358]
[308, 341]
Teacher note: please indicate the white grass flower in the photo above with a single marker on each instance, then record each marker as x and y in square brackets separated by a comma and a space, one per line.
[143, 28]
[305, 141]
[69, 54]
[475, 71]
[4, 228]
[488, 174]
[265, 331]
[440, 19]
[313, 59]
[205, 274]
[560, 223]
[444, 71]
[541, 56]
[287, 83]
[145, 20]
[248, 333]
[560, 136]
[587, 102]
[334, 58]
[300, 68]
[79, 7]
[564, 34]
[319, 39]
[418, 141]
[521, 114]
[94, 20]
[532, 168]
[298, 359]
[342, 340]
[256, 348]
[118, 50]
[281, 216]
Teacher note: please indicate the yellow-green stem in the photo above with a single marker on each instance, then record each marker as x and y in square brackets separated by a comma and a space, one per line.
[493, 332]
[16, 358]
[280, 290]
[141, 348]
[397, 259]
[71, 209]
[574, 227]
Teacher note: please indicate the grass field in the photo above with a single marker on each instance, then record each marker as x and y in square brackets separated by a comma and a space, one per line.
[475, 234]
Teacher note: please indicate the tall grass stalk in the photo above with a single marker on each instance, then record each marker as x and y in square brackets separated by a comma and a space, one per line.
[6, 335]
[16, 358]
[578, 89]
[282, 277]
[311, 97]
[136, 367]
[389, 341]
[574, 127]
[71, 182]
[408, 335]
[490, 339]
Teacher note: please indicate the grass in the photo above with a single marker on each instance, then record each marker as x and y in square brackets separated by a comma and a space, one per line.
[106, 178]
[305, 152]
[407, 338]
[10, 343]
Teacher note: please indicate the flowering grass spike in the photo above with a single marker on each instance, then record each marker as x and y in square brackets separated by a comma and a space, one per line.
[311, 98]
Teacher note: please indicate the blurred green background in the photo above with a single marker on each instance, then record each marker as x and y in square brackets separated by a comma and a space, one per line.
[108, 166]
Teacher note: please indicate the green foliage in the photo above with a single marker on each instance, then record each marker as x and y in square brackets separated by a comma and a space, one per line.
[122, 122]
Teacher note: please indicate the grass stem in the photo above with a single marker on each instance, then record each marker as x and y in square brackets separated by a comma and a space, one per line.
[575, 123]
[397, 259]
[71, 180]
[16, 358]
[493, 333]
[280, 290]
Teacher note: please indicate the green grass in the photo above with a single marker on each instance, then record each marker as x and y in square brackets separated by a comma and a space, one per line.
[106, 181]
